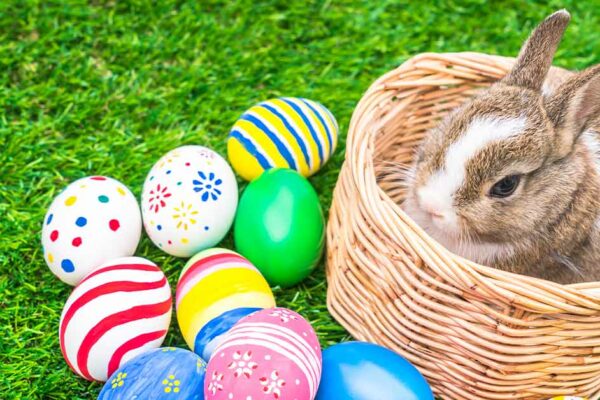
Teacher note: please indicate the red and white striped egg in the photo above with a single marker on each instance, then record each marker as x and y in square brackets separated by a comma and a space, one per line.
[120, 310]
[269, 355]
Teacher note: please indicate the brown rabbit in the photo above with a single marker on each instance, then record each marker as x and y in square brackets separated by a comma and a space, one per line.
[511, 179]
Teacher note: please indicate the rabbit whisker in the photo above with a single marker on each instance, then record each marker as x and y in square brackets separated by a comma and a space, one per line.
[566, 261]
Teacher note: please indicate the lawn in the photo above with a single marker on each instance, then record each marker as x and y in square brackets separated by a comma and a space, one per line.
[108, 87]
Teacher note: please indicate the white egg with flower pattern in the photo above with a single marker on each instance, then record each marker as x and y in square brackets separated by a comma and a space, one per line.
[189, 200]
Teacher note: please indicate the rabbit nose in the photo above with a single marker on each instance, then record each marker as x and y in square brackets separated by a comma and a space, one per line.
[433, 213]
[429, 207]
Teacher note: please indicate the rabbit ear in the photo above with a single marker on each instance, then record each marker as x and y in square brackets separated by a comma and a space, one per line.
[573, 106]
[535, 57]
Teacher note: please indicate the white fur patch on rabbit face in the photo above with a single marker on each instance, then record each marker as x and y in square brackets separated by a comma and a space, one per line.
[590, 140]
[436, 196]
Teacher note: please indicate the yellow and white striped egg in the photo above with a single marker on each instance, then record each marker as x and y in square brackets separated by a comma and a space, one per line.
[287, 132]
[568, 398]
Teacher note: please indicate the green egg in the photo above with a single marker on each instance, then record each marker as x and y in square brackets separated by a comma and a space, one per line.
[280, 227]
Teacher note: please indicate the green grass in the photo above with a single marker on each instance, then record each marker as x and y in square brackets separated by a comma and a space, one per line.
[108, 87]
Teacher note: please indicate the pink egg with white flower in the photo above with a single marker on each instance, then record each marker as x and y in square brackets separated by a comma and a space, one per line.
[269, 355]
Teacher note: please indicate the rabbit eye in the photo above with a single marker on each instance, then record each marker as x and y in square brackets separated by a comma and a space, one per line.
[506, 186]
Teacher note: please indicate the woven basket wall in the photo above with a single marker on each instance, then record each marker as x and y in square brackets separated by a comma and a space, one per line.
[473, 331]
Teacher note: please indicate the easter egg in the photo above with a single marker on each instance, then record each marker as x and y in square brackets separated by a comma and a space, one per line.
[120, 310]
[217, 287]
[287, 132]
[365, 371]
[159, 374]
[189, 200]
[94, 220]
[279, 226]
[270, 354]
[568, 398]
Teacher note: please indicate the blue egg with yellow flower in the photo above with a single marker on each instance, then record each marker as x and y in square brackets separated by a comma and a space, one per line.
[287, 132]
[164, 373]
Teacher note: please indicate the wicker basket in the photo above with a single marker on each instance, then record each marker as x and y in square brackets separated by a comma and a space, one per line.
[475, 332]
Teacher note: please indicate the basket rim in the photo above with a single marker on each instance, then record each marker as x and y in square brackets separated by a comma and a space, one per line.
[531, 293]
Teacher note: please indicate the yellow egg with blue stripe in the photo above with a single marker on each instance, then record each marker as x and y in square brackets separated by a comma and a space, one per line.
[217, 288]
[288, 132]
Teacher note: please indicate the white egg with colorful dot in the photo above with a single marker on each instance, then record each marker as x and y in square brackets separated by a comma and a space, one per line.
[95, 219]
[189, 200]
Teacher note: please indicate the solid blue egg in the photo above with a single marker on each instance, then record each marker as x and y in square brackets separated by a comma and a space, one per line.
[158, 374]
[365, 371]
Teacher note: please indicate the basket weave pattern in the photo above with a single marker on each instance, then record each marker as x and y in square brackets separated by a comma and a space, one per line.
[473, 331]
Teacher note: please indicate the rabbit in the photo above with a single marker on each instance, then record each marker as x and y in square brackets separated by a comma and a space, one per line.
[511, 179]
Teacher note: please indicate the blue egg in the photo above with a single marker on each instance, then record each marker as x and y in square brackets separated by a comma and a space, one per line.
[365, 371]
[212, 333]
[163, 373]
